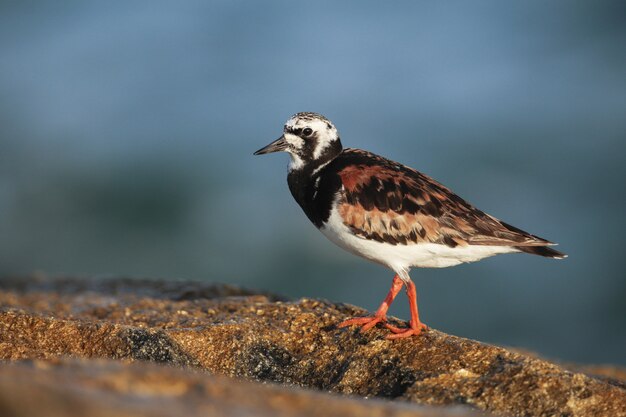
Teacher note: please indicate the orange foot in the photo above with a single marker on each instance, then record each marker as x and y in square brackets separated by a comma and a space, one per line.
[400, 333]
[366, 322]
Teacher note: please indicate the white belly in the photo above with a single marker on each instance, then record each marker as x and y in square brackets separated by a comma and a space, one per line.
[401, 258]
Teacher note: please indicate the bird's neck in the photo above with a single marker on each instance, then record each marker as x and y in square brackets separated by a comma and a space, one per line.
[302, 173]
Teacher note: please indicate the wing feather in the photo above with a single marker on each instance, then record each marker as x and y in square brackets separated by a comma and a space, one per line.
[388, 202]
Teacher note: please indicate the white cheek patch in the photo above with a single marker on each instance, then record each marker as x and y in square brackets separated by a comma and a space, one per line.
[295, 141]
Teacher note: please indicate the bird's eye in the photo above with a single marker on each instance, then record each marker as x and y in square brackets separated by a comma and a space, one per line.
[307, 131]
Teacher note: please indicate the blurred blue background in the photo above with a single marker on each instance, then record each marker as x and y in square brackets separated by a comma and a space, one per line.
[127, 130]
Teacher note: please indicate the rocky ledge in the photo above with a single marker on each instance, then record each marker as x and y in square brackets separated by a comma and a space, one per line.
[211, 332]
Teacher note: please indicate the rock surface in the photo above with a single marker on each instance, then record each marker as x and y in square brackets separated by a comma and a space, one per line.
[237, 333]
[102, 388]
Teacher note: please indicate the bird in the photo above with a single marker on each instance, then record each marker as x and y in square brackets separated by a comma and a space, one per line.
[389, 213]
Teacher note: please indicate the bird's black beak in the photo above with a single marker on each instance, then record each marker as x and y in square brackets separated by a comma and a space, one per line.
[278, 145]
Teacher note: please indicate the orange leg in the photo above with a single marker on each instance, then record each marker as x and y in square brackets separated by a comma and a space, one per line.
[381, 313]
[415, 325]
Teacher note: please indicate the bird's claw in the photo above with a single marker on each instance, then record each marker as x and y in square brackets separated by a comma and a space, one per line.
[399, 332]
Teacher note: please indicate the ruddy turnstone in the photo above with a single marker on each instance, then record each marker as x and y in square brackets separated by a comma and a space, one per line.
[389, 213]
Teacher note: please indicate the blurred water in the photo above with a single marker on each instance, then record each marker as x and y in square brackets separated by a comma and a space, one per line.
[126, 133]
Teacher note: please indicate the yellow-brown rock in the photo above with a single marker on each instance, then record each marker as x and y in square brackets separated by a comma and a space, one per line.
[231, 332]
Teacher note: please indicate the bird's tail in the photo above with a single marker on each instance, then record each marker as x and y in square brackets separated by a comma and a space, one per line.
[542, 251]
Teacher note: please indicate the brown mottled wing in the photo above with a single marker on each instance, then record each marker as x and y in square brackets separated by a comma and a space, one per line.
[388, 202]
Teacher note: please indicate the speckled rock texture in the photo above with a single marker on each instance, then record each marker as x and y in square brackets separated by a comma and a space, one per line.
[105, 388]
[228, 331]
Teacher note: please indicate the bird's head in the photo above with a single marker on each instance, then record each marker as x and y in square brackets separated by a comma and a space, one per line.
[309, 138]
